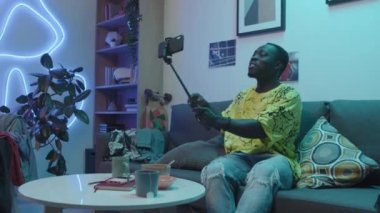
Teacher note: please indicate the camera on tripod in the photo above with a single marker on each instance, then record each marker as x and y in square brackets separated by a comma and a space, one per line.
[170, 46]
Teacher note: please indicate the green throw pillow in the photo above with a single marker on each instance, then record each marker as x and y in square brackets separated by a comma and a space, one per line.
[328, 159]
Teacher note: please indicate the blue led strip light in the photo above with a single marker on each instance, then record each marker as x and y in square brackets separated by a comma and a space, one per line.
[11, 75]
[58, 33]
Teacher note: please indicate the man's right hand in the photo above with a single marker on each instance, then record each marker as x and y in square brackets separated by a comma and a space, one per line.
[196, 100]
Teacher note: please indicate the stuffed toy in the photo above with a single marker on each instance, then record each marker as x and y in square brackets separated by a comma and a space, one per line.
[155, 115]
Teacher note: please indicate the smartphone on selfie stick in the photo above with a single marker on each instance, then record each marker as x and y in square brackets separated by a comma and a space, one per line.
[166, 49]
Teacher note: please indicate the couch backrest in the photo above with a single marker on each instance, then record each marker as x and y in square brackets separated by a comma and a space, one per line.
[359, 121]
[184, 128]
[311, 112]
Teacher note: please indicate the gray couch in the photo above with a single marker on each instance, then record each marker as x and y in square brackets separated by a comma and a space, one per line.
[358, 120]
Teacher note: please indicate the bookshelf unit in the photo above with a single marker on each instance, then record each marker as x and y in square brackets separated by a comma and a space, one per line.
[146, 69]
[110, 95]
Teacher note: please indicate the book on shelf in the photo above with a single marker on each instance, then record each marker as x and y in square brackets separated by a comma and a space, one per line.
[116, 184]
[131, 110]
[108, 78]
[103, 128]
[131, 107]
[135, 70]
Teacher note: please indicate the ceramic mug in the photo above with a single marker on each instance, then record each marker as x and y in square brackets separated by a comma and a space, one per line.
[146, 183]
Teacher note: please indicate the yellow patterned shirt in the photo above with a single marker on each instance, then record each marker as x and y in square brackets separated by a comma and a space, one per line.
[279, 113]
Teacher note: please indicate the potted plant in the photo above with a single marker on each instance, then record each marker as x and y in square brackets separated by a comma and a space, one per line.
[133, 16]
[131, 10]
[48, 108]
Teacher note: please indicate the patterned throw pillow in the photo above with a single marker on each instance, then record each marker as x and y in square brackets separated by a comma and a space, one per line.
[328, 159]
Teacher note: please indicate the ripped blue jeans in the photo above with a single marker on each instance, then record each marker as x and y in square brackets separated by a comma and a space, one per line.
[263, 175]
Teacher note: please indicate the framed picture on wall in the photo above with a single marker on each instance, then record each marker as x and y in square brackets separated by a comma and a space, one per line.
[291, 71]
[259, 16]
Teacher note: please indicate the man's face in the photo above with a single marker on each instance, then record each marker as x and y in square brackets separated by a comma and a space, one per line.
[262, 63]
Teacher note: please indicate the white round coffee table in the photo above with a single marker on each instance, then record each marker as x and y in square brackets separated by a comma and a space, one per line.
[73, 191]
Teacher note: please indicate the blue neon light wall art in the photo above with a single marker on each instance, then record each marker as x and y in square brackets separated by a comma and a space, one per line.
[18, 43]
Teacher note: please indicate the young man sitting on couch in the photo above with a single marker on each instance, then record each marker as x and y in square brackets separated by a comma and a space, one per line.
[258, 132]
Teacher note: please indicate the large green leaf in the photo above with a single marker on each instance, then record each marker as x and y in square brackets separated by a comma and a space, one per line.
[52, 169]
[68, 100]
[44, 100]
[38, 75]
[83, 95]
[59, 126]
[22, 99]
[82, 116]
[51, 155]
[58, 144]
[57, 89]
[71, 89]
[68, 111]
[46, 61]
[58, 104]
[59, 168]
[43, 83]
[63, 135]
[45, 131]
[80, 84]
[4, 109]
[48, 101]
[78, 69]
[61, 165]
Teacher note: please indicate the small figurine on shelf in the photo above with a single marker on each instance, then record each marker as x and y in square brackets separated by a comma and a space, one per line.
[155, 115]
[113, 38]
[111, 103]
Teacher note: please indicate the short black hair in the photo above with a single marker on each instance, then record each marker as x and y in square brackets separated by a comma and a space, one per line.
[282, 55]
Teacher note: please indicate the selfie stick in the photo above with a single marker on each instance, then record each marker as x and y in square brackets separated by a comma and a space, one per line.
[168, 60]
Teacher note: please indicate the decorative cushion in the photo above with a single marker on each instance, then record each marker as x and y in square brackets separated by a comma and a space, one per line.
[193, 155]
[328, 159]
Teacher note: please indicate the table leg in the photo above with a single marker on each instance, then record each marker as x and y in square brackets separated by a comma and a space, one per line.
[49, 209]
